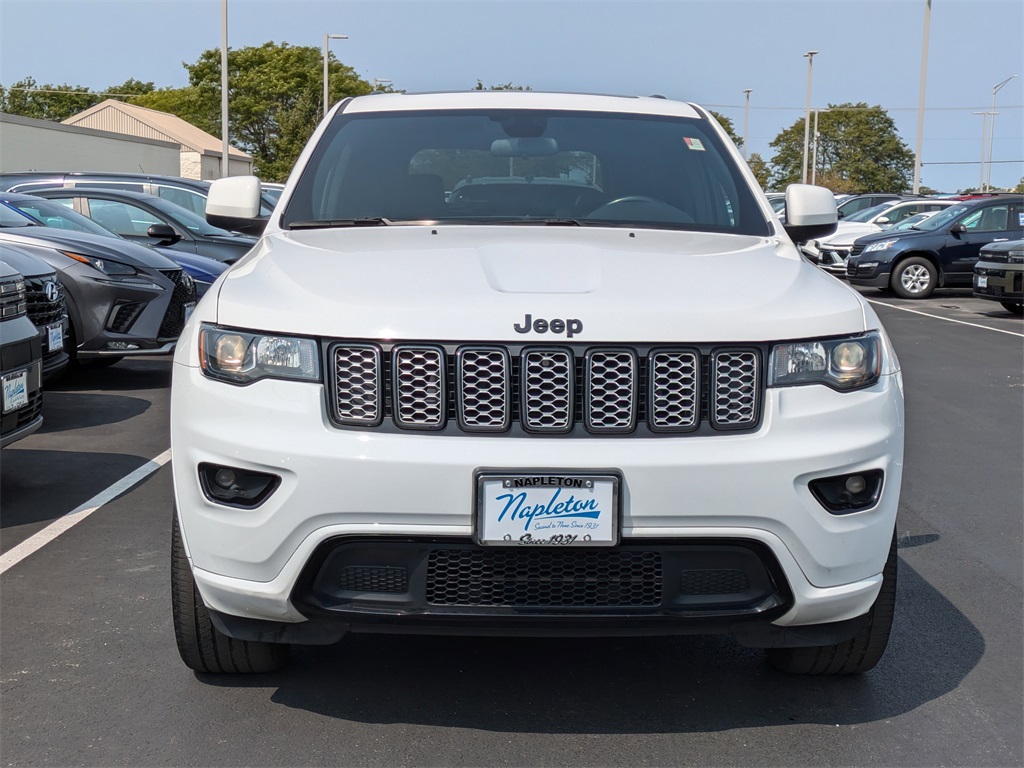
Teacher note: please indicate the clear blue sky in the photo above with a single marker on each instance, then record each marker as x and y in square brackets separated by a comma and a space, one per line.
[694, 50]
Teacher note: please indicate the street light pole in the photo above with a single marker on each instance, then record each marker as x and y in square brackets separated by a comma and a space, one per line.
[814, 154]
[992, 128]
[224, 157]
[807, 118]
[746, 122]
[984, 134]
[920, 98]
[327, 42]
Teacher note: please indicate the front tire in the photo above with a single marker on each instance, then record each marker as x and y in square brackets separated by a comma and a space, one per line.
[201, 646]
[1017, 309]
[858, 654]
[914, 278]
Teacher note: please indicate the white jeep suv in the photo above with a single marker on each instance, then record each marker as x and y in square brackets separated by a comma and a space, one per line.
[537, 364]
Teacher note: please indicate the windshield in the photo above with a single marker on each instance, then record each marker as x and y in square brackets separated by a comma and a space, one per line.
[185, 218]
[522, 167]
[943, 218]
[11, 217]
[59, 216]
[909, 223]
[869, 213]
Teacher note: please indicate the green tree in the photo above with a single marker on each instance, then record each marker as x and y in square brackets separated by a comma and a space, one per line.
[859, 149]
[503, 87]
[1020, 186]
[727, 126]
[130, 87]
[275, 100]
[45, 102]
[761, 170]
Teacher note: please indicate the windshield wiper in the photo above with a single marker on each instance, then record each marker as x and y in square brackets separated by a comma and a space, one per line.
[363, 221]
[550, 222]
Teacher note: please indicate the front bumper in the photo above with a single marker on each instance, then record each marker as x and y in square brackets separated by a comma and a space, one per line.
[1003, 282]
[337, 485]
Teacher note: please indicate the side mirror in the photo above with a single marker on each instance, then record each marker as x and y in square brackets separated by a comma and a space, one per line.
[882, 221]
[956, 229]
[810, 212]
[165, 233]
[234, 202]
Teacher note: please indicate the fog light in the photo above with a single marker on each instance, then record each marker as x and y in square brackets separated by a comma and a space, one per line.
[843, 494]
[225, 478]
[236, 487]
[856, 484]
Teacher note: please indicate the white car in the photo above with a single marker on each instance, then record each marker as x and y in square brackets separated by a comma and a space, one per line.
[621, 403]
[831, 252]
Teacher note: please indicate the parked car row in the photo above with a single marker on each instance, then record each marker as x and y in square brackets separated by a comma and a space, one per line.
[96, 267]
[914, 245]
[88, 295]
[940, 251]
[20, 361]
[190, 194]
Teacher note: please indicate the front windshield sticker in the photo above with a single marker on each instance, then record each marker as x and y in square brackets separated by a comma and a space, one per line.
[694, 144]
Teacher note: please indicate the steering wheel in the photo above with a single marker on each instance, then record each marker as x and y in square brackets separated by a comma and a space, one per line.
[653, 210]
[633, 199]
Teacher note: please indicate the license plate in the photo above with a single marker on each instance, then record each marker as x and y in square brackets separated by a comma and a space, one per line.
[983, 281]
[541, 509]
[54, 337]
[15, 390]
[189, 308]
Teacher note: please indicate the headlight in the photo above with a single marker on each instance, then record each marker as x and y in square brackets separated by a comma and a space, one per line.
[882, 245]
[107, 267]
[842, 364]
[242, 358]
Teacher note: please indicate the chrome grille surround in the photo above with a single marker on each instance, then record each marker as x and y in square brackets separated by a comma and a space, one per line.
[610, 401]
[357, 384]
[673, 400]
[419, 396]
[735, 375]
[573, 390]
[547, 390]
[484, 389]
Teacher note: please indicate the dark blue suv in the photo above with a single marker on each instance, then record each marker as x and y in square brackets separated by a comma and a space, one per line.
[938, 252]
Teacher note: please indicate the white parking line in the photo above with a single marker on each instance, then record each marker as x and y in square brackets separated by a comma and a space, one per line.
[16, 554]
[940, 317]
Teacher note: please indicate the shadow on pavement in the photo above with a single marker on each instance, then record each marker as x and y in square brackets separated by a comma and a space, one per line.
[633, 685]
[41, 486]
[130, 374]
[68, 411]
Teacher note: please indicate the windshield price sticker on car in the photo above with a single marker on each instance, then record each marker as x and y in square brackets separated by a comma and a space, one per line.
[54, 337]
[557, 510]
[15, 390]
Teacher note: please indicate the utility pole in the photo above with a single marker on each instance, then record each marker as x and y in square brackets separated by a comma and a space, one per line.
[920, 97]
[807, 118]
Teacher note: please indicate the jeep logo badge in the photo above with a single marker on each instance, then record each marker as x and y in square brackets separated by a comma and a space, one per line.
[570, 327]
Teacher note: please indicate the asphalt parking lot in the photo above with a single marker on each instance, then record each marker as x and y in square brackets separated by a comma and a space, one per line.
[89, 674]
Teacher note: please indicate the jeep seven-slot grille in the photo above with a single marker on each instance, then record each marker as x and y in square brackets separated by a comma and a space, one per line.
[479, 388]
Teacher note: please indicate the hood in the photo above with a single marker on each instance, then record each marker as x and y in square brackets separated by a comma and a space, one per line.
[28, 265]
[477, 283]
[847, 232]
[199, 267]
[116, 249]
[237, 240]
